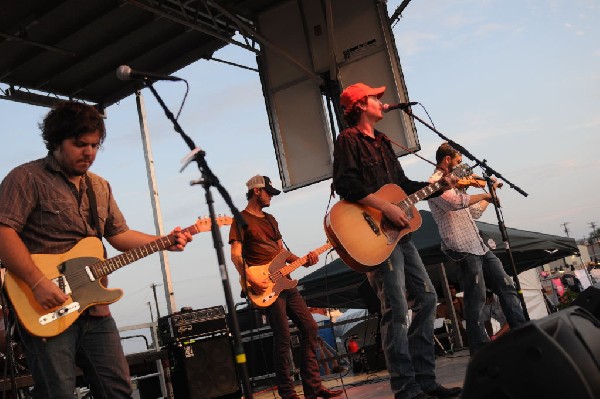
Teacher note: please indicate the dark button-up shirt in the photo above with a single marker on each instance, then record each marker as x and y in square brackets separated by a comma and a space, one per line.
[363, 164]
[51, 214]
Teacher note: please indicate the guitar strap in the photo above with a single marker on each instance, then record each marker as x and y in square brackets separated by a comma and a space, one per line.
[94, 209]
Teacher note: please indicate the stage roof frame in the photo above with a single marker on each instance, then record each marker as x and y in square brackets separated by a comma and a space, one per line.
[57, 49]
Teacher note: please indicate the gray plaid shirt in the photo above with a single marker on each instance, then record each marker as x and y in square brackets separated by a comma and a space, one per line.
[455, 220]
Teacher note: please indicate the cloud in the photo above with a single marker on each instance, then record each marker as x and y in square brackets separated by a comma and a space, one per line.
[487, 28]
[415, 43]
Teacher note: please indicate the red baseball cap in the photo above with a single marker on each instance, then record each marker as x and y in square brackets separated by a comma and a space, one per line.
[358, 91]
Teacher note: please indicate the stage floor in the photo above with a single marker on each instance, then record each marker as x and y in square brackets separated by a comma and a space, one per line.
[450, 371]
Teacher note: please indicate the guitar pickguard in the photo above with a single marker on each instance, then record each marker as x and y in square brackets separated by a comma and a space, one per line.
[391, 231]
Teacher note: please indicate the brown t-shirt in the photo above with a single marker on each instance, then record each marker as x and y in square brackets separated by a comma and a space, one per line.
[259, 240]
[51, 215]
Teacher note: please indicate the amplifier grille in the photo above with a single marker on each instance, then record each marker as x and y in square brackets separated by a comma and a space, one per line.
[180, 326]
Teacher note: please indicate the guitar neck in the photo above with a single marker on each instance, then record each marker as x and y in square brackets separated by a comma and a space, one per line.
[420, 195]
[104, 268]
[301, 261]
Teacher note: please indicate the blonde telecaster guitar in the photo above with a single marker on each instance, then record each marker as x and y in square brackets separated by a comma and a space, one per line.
[275, 273]
[363, 237]
[78, 272]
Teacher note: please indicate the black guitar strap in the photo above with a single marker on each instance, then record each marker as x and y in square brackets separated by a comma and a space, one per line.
[94, 209]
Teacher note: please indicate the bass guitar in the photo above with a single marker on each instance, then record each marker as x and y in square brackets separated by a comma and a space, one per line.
[275, 273]
[363, 237]
[77, 273]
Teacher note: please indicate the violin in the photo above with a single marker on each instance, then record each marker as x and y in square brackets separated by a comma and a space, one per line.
[479, 182]
[473, 181]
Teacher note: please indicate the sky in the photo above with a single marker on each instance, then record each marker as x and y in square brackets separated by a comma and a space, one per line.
[516, 83]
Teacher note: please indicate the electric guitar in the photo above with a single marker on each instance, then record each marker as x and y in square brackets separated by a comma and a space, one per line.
[77, 273]
[363, 237]
[275, 273]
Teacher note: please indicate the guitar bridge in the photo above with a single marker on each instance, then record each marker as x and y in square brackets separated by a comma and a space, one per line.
[65, 310]
[371, 223]
[63, 284]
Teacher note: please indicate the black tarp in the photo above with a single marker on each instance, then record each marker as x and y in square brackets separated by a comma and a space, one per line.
[336, 285]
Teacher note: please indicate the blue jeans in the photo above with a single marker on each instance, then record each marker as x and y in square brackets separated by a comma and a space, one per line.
[409, 351]
[91, 343]
[290, 303]
[475, 272]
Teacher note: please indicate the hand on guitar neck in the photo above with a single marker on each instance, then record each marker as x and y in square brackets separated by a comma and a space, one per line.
[311, 258]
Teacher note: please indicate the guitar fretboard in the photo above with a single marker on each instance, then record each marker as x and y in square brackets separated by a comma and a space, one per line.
[104, 268]
[459, 171]
[419, 195]
[284, 271]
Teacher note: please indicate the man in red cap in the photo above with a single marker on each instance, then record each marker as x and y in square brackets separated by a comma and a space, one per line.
[364, 161]
[256, 245]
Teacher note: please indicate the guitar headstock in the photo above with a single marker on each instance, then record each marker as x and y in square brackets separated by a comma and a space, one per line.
[462, 170]
[204, 224]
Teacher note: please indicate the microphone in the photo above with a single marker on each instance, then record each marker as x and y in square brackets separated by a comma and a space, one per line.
[124, 72]
[391, 107]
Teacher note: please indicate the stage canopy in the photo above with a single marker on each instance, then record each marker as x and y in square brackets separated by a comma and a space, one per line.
[72, 48]
[336, 285]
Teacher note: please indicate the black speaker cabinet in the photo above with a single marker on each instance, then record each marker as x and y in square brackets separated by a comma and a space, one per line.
[204, 369]
[554, 357]
[590, 300]
[259, 355]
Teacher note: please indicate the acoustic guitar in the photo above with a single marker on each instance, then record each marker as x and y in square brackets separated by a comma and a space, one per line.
[363, 237]
[77, 273]
[276, 273]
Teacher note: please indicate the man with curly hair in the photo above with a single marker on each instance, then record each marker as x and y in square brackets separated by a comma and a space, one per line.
[46, 207]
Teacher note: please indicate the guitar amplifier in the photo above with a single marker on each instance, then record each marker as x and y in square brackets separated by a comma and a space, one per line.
[178, 327]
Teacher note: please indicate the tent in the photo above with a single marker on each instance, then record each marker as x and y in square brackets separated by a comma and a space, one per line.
[336, 285]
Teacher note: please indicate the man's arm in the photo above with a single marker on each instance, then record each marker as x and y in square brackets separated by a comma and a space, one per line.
[16, 257]
[237, 258]
[394, 213]
[133, 239]
[258, 285]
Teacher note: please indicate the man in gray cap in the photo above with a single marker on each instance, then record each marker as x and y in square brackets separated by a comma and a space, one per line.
[257, 245]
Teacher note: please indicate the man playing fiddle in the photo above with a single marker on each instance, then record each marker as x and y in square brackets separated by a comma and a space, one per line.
[455, 212]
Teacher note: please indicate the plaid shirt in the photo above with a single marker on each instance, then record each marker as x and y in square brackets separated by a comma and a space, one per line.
[456, 220]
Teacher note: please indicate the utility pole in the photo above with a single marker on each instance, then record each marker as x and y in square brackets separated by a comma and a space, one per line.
[151, 313]
[155, 300]
[564, 225]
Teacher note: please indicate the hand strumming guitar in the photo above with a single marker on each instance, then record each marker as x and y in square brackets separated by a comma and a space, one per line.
[258, 284]
[48, 294]
[395, 214]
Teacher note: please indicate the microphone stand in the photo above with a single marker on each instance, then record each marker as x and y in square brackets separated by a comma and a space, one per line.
[208, 180]
[488, 173]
